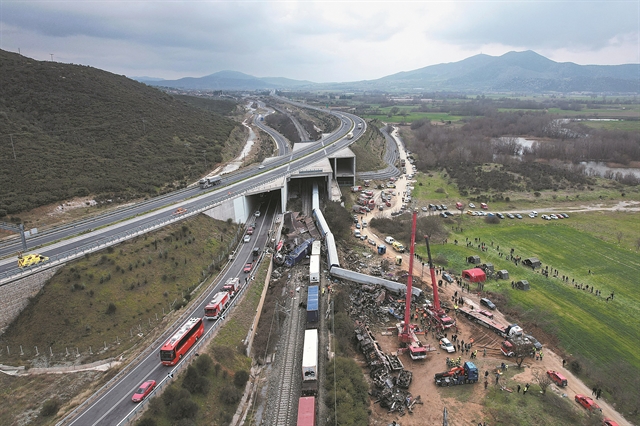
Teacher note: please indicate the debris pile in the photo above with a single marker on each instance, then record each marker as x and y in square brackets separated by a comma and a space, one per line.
[390, 389]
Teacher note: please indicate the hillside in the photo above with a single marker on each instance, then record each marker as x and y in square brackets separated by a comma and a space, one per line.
[70, 130]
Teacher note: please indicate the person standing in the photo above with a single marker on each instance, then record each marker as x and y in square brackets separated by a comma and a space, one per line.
[598, 393]
[486, 383]
[526, 388]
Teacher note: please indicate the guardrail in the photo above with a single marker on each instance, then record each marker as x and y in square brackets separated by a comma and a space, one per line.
[16, 274]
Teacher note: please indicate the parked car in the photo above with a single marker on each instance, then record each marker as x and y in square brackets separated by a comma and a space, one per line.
[545, 217]
[372, 242]
[532, 216]
[446, 345]
[587, 402]
[358, 225]
[447, 277]
[144, 390]
[518, 215]
[484, 206]
[247, 238]
[488, 303]
[553, 216]
[424, 209]
[609, 422]
[557, 378]
[510, 216]
[443, 206]
[248, 267]
[471, 205]
[566, 216]
[534, 342]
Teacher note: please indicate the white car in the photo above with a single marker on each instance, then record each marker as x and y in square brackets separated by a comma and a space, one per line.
[531, 215]
[534, 213]
[553, 216]
[247, 238]
[472, 206]
[257, 213]
[446, 345]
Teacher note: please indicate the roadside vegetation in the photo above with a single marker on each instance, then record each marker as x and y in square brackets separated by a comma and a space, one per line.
[108, 302]
[370, 149]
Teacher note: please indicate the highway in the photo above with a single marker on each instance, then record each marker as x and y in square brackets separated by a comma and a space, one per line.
[114, 405]
[81, 234]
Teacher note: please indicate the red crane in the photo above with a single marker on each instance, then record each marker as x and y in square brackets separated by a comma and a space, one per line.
[405, 336]
[437, 315]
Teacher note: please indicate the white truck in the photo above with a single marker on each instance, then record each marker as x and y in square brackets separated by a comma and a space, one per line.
[209, 181]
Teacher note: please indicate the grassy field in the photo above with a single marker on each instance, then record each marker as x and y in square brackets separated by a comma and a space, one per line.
[370, 150]
[411, 115]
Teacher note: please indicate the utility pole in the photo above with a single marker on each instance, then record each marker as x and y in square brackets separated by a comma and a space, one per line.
[51, 56]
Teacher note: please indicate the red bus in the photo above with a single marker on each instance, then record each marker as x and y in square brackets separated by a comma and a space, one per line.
[181, 341]
[306, 411]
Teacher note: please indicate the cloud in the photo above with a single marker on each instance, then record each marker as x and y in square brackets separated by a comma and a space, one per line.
[318, 41]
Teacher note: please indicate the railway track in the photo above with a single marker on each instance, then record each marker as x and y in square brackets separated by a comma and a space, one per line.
[287, 389]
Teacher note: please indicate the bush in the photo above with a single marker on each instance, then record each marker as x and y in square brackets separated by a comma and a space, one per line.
[575, 367]
[204, 364]
[50, 407]
[230, 394]
[147, 421]
[183, 407]
[240, 378]
[492, 219]
[111, 309]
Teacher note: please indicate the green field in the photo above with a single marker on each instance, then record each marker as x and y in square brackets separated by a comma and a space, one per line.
[411, 115]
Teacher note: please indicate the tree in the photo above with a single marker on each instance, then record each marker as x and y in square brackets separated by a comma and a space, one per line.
[204, 364]
[638, 244]
[542, 379]
[240, 378]
[619, 236]
[521, 349]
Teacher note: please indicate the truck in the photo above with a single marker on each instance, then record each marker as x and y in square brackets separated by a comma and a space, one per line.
[398, 247]
[310, 362]
[298, 253]
[389, 240]
[232, 286]
[466, 374]
[216, 307]
[209, 181]
[502, 330]
[356, 188]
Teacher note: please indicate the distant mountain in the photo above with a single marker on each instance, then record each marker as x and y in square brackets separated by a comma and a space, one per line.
[228, 80]
[512, 72]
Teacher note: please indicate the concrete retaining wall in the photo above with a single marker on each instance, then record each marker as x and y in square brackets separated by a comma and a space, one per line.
[14, 297]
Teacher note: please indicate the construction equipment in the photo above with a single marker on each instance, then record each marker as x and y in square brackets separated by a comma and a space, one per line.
[406, 332]
[436, 314]
[466, 374]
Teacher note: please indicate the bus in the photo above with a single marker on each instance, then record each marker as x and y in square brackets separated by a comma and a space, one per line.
[180, 343]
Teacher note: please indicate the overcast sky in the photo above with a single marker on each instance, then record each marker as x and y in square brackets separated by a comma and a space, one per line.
[324, 41]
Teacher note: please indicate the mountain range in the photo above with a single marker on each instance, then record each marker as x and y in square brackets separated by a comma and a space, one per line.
[521, 72]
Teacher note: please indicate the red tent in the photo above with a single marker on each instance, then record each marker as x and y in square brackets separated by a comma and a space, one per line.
[475, 275]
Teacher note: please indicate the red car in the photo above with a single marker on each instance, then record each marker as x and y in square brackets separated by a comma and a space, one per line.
[486, 313]
[557, 378]
[587, 403]
[609, 422]
[144, 390]
[248, 267]
[249, 231]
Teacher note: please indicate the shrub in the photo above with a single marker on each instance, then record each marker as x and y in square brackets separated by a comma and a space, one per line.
[230, 394]
[111, 309]
[147, 421]
[204, 364]
[50, 407]
[240, 378]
